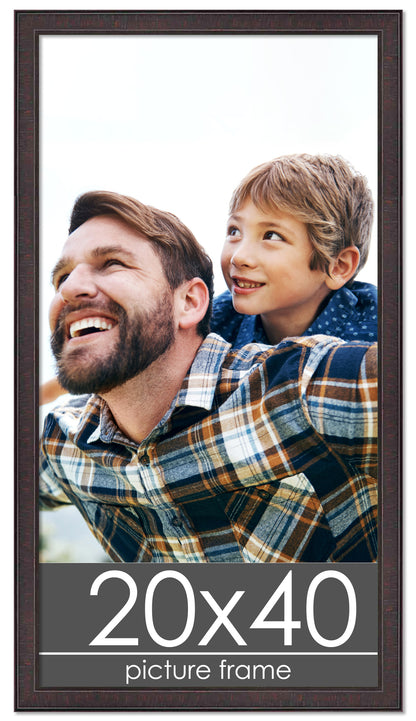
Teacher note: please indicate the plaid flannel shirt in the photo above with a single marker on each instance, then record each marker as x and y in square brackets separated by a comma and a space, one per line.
[266, 454]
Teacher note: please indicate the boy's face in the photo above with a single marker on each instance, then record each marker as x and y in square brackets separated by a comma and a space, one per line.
[265, 261]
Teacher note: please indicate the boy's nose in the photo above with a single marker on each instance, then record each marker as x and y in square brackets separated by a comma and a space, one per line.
[244, 256]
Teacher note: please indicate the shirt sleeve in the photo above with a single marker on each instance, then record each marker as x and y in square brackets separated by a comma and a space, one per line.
[341, 401]
[51, 495]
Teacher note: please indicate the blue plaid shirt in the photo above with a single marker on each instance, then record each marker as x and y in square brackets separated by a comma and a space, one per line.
[349, 313]
[266, 454]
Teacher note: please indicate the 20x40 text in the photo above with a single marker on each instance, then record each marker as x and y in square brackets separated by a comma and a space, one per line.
[281, 598]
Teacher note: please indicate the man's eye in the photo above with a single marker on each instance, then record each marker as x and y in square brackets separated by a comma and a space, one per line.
[60, 280]
[113, 261]
[272, 235]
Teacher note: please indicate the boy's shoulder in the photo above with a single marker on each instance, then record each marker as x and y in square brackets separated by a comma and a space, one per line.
[226, 322]
[367, 292]
[351, 314]
[223, 305]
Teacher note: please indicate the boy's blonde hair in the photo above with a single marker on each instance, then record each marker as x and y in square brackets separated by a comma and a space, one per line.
[322, 191]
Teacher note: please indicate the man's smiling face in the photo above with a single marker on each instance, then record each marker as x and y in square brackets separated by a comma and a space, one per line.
[112, 314]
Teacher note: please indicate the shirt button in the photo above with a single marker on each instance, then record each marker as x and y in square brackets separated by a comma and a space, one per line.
[145, 459]
[177, 521]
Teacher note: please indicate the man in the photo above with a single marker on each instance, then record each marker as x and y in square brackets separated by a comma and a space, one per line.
[184, 450]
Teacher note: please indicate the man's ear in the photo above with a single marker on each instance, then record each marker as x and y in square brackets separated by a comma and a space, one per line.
[193, 303]
[343, 267]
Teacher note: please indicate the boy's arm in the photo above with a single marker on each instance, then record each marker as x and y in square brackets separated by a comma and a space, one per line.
[342, 403]
[50, 391]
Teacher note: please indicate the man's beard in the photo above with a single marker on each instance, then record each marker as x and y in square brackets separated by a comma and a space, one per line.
[143, 338]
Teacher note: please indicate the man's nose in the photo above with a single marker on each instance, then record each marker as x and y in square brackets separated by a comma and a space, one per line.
[77, 284]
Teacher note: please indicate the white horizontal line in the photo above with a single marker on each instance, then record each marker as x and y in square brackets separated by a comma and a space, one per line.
[209, 653]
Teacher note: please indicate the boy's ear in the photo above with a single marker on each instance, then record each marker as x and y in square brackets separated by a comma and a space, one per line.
[193, 303]
[343, 267]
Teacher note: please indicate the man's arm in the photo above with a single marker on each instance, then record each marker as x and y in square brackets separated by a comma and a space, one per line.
[51, 496]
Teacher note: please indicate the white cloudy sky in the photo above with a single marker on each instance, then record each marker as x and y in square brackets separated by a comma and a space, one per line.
[177, 122]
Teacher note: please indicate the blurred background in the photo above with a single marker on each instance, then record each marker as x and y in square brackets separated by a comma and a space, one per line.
[177, 121]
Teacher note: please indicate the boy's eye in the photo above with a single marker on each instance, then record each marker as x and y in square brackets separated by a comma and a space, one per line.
[233, 232]
[272, 235]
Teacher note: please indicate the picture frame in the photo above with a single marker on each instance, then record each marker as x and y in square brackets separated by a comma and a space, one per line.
[31, 693]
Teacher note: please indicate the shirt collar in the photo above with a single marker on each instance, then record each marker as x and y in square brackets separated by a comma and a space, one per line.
[96, 422]
[199, 385]
[343, 298]
[340, 304]
[198, 390]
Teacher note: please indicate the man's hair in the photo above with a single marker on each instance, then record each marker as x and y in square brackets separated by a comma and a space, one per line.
[182, 257]
[322, 191]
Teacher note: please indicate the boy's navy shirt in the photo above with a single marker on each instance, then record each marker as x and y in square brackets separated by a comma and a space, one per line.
[350, 314]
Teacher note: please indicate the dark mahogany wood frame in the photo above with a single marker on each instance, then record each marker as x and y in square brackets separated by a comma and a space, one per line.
[29, 26]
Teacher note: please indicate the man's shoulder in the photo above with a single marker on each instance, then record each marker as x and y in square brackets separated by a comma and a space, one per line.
[282, 376]
[69, 404]
[297, 352]
[68, 412]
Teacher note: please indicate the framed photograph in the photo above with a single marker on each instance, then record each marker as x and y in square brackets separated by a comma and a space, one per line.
[277, 590]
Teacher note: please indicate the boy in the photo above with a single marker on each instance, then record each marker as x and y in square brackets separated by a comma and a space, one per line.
[298, 233]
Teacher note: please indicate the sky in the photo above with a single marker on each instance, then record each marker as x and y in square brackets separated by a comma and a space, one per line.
[178, 121]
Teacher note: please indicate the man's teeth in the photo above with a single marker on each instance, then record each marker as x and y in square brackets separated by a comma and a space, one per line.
[242, 284]
[80, 325]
